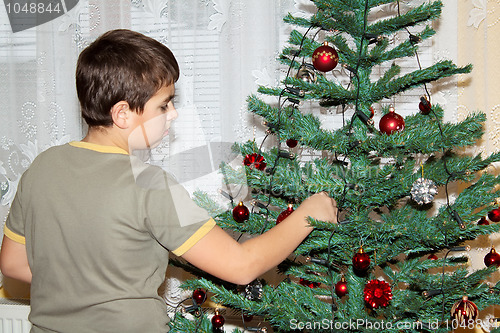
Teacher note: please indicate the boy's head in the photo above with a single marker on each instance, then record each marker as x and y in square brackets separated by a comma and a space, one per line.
[121, 65]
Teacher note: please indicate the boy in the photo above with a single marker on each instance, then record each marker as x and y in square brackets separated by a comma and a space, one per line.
[91, 225]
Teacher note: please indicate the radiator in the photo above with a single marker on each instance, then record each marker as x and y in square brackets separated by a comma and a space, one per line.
[14, 316]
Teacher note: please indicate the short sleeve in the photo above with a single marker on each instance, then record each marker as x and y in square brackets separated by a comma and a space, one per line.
[172, 217]
[14, 226]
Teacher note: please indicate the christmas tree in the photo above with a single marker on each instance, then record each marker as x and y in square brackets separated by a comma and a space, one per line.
[396, 261]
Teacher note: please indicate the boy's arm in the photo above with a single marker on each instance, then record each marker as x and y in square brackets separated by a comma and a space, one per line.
[14, 260]
[219, 254]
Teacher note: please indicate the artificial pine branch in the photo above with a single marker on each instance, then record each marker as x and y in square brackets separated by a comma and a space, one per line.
[421, 14]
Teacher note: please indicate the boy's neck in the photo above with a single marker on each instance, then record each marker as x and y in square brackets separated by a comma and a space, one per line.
[105, 137]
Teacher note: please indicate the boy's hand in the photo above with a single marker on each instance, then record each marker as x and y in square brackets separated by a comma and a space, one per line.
[320, 207]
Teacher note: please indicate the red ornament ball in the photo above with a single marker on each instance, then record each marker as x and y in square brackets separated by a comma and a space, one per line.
[391, 122]
[255, 161]
[247, 318]
[308, 283]
[292, 143]
[199, 296]
[432, 257]
[218, 320]
[361, 260]
[492, 258]
[463, 311]
[483, 221]
[325, 58]
[241, 213]
[424, 106]
[341, 287]
[372, 112]
[284, 214]
[494, 215]
[377, 293]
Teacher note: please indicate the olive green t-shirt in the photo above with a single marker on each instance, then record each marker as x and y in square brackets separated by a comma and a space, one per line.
[98, 225]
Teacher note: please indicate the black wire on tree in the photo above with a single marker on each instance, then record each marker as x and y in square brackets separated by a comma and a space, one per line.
[277, 130]
[451, 175]
[350, 146]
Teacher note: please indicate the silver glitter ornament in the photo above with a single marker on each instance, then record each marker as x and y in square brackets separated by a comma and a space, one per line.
[423, 191]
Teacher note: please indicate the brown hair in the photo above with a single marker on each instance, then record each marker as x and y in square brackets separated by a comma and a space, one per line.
[121, 65]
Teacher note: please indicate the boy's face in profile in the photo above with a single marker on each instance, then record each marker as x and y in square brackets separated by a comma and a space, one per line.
[150, 127]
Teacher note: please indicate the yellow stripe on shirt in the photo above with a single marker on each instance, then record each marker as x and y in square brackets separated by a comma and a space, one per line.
[13, 236]
[98, 148]
[204, 229]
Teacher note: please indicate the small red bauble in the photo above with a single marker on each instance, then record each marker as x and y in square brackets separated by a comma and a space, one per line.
[341, 287]
[391, 122]
[372, 112]
[494, 215]
[284, 214]
[241, 213]
[218, 320]
[292, 143]
[325, 58]
[255, 161]
[424, 106]
[463, 311]
[483, 221]
[247, 318]
[199, 296]
[377, 293]
[432, 257]
[308, 283]
[492, 258]
[361, 260]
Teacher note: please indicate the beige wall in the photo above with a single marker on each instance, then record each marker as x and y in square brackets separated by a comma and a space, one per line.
[479, 44]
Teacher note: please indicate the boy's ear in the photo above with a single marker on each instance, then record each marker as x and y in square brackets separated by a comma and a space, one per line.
[120, 113]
